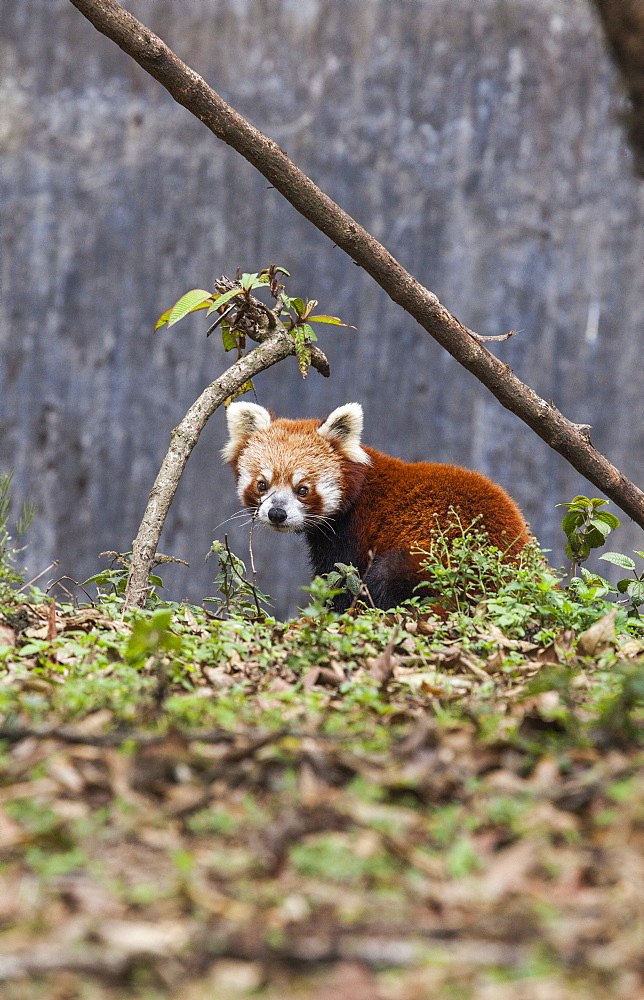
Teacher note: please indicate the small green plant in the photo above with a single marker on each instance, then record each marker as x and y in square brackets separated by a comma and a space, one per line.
[462, 567]
[586, 528]
[9, 550]
[620, 713]
[344, 577]
[152, 637]
[111, 582]
[634, 589]
[471, 581]
[322, 590]
[241, 597]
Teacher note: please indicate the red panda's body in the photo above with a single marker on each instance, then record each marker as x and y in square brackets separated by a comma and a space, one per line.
[356, 505]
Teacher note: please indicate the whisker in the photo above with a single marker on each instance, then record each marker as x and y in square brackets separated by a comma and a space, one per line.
[320, 519]
[322, 524]
[237, 514]
[242, 524]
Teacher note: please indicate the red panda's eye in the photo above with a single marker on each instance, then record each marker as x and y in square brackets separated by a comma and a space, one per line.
[261, 486]
[302, 491]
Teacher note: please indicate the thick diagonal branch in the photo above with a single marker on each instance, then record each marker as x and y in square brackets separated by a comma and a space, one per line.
[190, 90]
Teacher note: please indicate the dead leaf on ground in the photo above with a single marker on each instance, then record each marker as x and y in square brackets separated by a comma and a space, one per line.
[598, 636]
[7, 636]
[348, 981]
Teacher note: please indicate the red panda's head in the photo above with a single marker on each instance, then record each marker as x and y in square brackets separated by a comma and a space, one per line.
[293, 474]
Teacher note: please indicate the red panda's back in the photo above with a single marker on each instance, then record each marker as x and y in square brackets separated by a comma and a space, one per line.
[402, 503]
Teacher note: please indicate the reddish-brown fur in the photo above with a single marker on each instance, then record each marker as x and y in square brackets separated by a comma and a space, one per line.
[401, 505]
[382, 511]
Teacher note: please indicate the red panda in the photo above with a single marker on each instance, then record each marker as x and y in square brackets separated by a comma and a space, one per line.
[354, 504]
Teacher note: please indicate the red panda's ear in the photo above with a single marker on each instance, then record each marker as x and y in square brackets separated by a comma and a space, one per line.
[343, 428]
[244, 420]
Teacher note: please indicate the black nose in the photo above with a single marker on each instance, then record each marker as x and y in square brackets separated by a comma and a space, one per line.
[277, 515]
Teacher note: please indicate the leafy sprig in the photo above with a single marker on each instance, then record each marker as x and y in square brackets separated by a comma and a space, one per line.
[296, 313]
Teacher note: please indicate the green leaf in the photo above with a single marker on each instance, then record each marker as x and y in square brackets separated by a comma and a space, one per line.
[321, 318]
[302, 351]
[276, 270]
[593, 579]
[308, 332]
[309, 306]
[601, 526]
[609, 518]
[595, 537]
[298, 305]
[163, 318]
[221, 300]
[196, 298]
[619, 559]
[97, 578]
[583, 503]
[577, 503]
[571, 521]
[228, 339]
[250, 281]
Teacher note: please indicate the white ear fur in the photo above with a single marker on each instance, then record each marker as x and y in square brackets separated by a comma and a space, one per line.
[244, 420]
[344, 427]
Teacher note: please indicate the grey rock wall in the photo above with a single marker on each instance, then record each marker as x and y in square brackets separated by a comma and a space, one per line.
[479, 139]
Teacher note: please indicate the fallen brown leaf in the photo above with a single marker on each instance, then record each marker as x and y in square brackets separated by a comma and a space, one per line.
[598, 636]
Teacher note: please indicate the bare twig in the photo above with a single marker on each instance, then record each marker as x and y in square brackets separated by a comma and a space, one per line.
[38, 577]
[59, 583]
[52, 628]
[220, 319]
[364, 590]
[250, 549]
[191, 91]
[243, 580]
[501, 336]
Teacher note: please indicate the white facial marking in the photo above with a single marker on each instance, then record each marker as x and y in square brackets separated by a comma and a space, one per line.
[329, 490]
[244, 479]
[283, 499]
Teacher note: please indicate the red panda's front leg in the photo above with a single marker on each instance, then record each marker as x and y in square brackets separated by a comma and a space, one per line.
[392, 579]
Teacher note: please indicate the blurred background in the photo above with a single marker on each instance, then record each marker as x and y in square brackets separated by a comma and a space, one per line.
[480, 140]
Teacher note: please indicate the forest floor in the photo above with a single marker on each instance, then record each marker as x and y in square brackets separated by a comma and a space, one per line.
[362, 809]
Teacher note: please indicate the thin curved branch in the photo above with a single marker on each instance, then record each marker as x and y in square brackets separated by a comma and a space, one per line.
[191, 91]
[275, 347]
